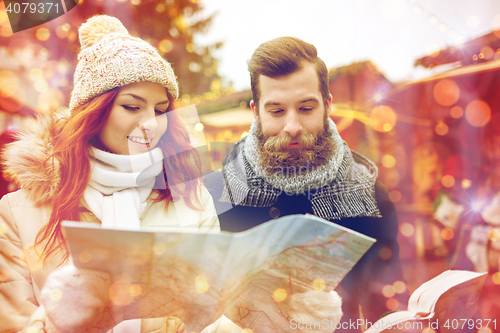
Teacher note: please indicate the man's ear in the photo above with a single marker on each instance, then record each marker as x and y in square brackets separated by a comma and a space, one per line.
[329, 105]
[254, 110]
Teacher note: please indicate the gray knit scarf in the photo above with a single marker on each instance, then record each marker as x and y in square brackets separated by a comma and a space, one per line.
[342, 187]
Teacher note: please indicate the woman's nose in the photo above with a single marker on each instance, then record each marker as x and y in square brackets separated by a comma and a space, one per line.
[150, 123]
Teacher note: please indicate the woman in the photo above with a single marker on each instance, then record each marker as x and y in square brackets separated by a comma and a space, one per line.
[105, 161]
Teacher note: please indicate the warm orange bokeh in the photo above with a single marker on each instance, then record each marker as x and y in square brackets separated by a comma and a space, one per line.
[383, 118]
[407, 229]
[456, 112]
[446, 92]
[478, 113]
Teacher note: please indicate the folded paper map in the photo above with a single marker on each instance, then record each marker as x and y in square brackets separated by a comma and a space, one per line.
[205, 275]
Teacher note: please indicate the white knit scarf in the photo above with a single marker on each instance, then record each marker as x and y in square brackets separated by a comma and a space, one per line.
[119, 186]
[343, 187]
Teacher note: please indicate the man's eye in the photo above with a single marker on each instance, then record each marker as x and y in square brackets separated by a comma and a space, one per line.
[130, 108]
[275, 111]
[306, 109]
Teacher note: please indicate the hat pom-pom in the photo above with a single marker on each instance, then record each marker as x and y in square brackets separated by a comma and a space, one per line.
[98, 27]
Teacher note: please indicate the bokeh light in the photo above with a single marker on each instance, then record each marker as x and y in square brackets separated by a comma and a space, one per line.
[395, 196]
[62, 31]
[135, 290]
[36, 74]
[85, 256]
[407, 229]
[484, 330]
[388, 161]
[392, 304]
[388, 291]
[456, 112]
[6, 31]
[9, 82]
[119, 292]
[279, 295]
[3, 16]
[441, 129]
[494, 235]
[383, 118]
[495, 277]
[487, 52]
[42, 34]
[319, 284]
[448, 181]
[399, 287]
[446, 92]
[466, 183]
[166, 46]
[385, 253]
[447, 234]
[199, 127]
[478, 113]
[201, 283]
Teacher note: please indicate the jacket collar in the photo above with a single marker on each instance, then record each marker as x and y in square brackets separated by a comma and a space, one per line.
[27, 160]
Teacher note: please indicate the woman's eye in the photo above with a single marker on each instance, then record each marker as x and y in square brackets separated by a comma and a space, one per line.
[161, 111]
[130, 108]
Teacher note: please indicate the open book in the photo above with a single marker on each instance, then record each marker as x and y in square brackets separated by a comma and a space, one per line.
[209, 272]
[446, 302]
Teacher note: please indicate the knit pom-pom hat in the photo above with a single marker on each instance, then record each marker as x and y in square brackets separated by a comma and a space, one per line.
[111, 58]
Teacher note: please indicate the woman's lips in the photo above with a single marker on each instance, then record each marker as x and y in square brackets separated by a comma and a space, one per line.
[140, 141]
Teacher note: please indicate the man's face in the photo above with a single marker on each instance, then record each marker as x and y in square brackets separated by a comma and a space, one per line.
[291, 105]
[291, 118]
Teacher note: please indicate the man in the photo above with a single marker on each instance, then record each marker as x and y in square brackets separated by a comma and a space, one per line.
[294, 162]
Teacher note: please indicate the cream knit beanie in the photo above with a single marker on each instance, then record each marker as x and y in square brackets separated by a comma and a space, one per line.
[111, 58]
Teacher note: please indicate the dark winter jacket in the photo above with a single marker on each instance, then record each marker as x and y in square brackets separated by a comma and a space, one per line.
[363, 285]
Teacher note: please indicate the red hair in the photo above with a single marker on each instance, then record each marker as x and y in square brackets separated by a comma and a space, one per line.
[71, 141]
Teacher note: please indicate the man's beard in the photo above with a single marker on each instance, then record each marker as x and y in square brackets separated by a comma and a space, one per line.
[275, 156]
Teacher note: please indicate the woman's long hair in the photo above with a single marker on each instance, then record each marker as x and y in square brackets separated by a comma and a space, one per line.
[71, 139]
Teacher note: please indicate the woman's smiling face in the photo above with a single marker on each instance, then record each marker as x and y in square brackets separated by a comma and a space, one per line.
[137, 119]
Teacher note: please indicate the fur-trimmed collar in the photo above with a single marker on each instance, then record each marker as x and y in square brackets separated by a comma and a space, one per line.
[27, 161]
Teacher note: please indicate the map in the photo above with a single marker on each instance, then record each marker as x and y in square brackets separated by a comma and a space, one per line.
[248, 276]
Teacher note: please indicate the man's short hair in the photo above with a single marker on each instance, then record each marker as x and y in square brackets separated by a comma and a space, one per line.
[283, 56]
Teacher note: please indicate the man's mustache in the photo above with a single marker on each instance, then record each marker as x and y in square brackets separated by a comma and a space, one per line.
[281, 143]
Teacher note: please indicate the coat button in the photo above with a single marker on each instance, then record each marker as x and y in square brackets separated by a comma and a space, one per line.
[274, 212]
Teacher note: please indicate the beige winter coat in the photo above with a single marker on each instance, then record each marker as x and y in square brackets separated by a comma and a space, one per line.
[23, 214]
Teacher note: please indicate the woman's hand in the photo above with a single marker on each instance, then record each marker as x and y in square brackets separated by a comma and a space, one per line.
[77, 300]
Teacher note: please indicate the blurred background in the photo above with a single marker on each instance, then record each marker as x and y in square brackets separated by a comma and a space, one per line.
[414, 85]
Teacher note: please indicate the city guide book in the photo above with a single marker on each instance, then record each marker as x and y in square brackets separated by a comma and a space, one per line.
[445, 303]
[209, 272]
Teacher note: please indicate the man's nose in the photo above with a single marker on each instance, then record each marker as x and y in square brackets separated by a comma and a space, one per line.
[293, 127]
